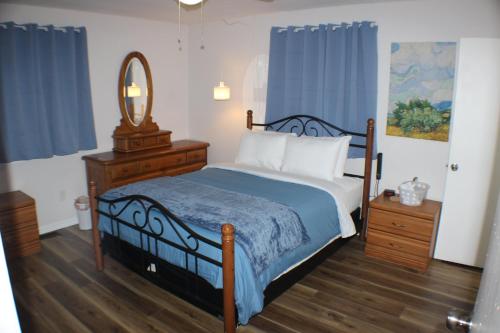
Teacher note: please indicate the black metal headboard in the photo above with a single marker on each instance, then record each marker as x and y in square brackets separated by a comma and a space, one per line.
[310, 126]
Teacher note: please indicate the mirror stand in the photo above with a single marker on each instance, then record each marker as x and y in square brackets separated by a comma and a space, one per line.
[137, 131]
[149, 137]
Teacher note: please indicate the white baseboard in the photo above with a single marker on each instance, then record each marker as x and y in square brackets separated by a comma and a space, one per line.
[44, 229]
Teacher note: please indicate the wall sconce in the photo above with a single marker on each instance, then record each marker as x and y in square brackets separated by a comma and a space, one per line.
[133, 90]
[222, 92]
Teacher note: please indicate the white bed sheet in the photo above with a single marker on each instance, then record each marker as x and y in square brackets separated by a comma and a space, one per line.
[346, 191]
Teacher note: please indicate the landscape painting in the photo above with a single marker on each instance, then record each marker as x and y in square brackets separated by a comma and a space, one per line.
[421, 90]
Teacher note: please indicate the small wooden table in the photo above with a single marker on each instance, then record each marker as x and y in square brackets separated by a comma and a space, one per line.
[18, 224]
[402, 234]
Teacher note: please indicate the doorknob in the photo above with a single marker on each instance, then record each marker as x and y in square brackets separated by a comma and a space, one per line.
[458, 321]
[454, 167]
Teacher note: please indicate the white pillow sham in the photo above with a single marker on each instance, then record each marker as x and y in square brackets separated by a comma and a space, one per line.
[344, 149]
[262, 149]
[322, 157]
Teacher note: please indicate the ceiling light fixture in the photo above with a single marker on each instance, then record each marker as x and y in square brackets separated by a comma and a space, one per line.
[191, 3]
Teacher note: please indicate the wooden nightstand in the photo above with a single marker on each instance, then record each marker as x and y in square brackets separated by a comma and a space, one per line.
[401, 234]
[18, 224]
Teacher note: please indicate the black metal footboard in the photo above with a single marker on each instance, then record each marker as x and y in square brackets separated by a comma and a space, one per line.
[154, 223]
[149, 219]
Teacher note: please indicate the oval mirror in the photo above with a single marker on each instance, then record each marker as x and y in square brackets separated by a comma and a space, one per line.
[135, 90]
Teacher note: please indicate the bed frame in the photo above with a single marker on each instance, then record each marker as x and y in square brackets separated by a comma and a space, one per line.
[184, 281]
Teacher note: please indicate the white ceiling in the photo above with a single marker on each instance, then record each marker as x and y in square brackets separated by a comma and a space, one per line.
[167, 9]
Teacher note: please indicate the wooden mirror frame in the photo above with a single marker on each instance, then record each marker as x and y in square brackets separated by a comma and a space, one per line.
[127, 126]
[129, 137]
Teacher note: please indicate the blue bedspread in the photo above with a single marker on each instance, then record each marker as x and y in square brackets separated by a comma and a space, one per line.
[259, 208]
[265, 229]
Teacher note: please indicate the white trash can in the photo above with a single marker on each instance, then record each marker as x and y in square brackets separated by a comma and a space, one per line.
[83, 213]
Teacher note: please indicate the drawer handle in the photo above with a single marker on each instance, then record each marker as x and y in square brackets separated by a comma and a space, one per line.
[398, 225]
[394, 245]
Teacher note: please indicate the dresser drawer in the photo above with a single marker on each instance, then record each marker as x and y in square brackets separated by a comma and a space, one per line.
[199, 155]
[163, 162]
[185, 169]
[124, 170]
[400, 244]
[164, 139]
[399, 224]
[136, 143]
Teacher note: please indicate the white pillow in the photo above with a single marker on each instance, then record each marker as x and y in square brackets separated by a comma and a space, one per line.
[262, 149]
[344, 149]
[313, 157]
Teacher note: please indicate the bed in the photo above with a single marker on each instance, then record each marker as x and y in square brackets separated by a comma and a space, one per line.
[231, 237]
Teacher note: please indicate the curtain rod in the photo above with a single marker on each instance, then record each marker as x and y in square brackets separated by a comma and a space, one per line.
[39, 27]
[334, 26]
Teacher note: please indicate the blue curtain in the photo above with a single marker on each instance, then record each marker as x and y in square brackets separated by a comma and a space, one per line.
[45, 100]
[328, 71]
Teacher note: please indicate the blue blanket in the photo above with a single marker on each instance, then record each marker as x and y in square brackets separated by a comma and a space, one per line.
[265, 229]
[316, 209]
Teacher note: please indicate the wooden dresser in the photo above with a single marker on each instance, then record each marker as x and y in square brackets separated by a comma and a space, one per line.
[18, 224]
[112, 169]
[402, 234]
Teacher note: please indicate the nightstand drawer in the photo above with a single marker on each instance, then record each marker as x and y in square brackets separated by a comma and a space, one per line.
[400, 224]
[404, 259]
[399, 244]
[18, 224]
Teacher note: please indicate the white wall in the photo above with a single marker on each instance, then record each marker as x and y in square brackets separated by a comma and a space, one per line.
[56, 182]
[232, 46]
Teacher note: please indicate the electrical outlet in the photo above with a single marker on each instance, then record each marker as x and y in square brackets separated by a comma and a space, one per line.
[62, 195]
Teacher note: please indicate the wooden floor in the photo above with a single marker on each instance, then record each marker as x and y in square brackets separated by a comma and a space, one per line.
[59, 290]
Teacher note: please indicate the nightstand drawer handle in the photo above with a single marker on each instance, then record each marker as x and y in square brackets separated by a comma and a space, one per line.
[398, 225]
[394, 245]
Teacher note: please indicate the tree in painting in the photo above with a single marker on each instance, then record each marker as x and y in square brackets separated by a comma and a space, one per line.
[421, 90]
[419, 116]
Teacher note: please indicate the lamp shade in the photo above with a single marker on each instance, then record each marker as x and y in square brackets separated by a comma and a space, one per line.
[133, 90]
[222, 92]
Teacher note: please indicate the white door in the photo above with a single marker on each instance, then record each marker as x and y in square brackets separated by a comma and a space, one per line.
[463, 233]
